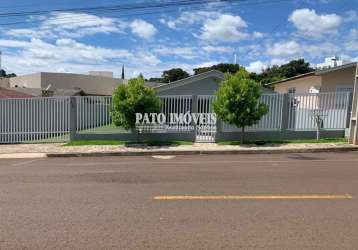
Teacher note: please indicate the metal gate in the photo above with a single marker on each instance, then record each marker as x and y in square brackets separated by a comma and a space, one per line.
[205, 132]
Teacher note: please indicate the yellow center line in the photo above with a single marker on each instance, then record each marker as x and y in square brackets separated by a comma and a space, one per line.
[252, 197]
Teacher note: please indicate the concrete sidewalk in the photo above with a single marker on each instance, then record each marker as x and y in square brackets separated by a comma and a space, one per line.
[59, 150]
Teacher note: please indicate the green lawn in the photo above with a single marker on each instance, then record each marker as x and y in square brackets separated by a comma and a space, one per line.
[263, 142]
[127, 143]
[107, 129]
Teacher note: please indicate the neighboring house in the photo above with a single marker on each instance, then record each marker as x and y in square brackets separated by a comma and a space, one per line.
[56, 92]
[202, 84]
[7, 93]
[95, 83]
[330, 79]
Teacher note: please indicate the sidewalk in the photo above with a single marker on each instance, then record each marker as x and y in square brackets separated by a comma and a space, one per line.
[58, 150]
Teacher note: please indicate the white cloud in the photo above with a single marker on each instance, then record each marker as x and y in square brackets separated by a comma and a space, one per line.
[288, 48]
[256, 66]
[218, 49]
[143, 29]
[351, 16]
[257, 34]
[68, 24]
[225, 28]
[6, 43]
[352, 40]
[189, 18]
[184, 52]
[311, 24]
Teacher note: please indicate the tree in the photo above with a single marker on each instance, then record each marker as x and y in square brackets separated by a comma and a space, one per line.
[132, 98]
[223, 67]
[4, 74]
[237, 101]
[276, 73]
[174, 74]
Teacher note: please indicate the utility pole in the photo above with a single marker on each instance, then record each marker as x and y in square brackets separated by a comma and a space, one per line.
[353, 128]
[235, 58]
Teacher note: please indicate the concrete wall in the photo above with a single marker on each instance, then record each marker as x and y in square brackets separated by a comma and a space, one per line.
[90, 84]
[343, 77]
[184, 136]
[4, 82]
[278, 135]
[302, 85]
[26, 81]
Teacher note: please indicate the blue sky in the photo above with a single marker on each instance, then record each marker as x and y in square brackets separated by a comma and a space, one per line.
[260, 32]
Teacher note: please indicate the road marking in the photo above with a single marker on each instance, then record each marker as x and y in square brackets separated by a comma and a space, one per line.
[253, 197]
[163, 157]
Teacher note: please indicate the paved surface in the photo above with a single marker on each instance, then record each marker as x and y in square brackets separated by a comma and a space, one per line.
[59, 148]
[108, 203]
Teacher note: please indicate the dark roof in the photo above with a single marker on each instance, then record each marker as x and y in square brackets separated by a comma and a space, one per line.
[153, 84]
[7, 93]
[212, 73]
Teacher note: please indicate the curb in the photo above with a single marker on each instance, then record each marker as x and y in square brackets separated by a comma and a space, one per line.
[205, 152]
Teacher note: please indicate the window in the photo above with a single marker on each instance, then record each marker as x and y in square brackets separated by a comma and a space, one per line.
[291, 90]
[344, 88]
[341, 97]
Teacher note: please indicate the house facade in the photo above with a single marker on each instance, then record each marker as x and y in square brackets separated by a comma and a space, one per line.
[95, 83]
[206, 83]
[332, 79]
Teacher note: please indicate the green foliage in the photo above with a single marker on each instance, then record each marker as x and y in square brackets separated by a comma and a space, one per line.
[276, 73]
[4, 74]
[131, 99]
[223, 67]
[237, 101]
[174, 75]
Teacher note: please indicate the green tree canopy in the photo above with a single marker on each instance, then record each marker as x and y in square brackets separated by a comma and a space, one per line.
[132, 98]
[237, 101]
[174, 75]
[276, 73]
[4, 74]
[223, 67]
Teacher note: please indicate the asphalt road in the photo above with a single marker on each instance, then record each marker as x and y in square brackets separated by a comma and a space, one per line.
[109, 203]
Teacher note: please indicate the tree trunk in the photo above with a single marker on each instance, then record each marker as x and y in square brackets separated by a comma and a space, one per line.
[318, 132]
[242, 135]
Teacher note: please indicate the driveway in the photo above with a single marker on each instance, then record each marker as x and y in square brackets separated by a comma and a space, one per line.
[288, 201]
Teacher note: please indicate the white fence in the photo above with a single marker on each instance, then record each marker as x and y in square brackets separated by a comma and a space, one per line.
[334, 108]
[93, 112]
[50, 119]
[272, 121]
[34, 120]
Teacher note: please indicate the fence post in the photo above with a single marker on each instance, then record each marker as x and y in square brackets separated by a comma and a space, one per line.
[194, 109]
[73, 117]
[349, 108]
[353, 128]
[285, 112]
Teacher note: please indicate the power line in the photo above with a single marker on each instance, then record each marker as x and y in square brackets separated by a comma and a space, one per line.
[158, 11]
